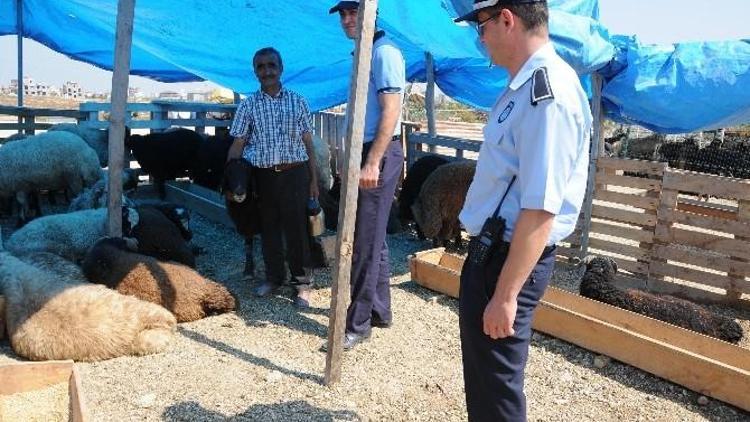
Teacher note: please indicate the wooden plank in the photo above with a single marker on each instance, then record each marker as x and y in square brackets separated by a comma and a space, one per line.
[623, 216]
[568, 252]
[123, 42]
[685, 367]
[630, 233]
[619, 248]
[451, 261]
[447, 142]
[348, 206]
[637, 201]
[722, 245]
[199, 199]
[697, 276]
[78, 409]
[28, 376]
[604, 178]
[630, 165]
[723, 187]
[740, 268]
[702, 259]
[738, 228]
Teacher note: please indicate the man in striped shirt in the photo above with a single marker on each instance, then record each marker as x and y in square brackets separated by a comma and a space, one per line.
[273, 132]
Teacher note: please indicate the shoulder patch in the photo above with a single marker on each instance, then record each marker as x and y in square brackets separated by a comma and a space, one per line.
[540, 87]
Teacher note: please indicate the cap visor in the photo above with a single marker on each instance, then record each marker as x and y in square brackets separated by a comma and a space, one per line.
[343, 5]
[469, 17]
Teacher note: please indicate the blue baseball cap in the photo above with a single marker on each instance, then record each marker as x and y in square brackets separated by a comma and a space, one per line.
[483, 4]
[344, 5]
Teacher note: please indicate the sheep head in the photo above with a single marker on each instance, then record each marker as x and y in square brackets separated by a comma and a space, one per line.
[601, 265]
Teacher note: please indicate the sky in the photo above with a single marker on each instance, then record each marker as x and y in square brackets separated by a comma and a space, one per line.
[654, 21]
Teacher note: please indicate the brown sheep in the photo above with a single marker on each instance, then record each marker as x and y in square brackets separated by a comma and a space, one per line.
[440, 201]
[50, 319]
[178, 288]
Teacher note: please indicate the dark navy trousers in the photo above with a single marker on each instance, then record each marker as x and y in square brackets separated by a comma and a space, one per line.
[371, 270]
[494, 369]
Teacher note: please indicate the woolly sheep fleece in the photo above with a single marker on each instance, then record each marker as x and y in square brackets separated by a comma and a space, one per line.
[51, 160]
[51, 320]
[178, 288]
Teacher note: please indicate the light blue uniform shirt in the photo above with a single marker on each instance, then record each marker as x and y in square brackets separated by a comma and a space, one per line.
[545, 145]
[387, 75]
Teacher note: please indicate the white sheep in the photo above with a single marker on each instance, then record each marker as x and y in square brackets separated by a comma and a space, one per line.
[97, 139]
[67, 235]
[49, 161]
[50, 319]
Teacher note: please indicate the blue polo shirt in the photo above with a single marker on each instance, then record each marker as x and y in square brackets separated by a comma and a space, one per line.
[387, 75]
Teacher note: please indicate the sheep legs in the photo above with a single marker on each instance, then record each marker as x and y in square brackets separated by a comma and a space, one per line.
[249, 270]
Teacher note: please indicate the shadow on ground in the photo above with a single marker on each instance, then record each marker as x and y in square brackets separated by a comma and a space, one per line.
[292, 411]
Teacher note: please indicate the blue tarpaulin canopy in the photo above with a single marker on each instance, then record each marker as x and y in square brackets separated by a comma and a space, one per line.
[677, 88]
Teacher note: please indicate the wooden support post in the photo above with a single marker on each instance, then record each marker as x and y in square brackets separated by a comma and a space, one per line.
[429, 101]
[19, 86]
[735, 274]
[596, 151]
[237, 98]
[662, 230]
[123, 42]
[350, 184]
[201, 115]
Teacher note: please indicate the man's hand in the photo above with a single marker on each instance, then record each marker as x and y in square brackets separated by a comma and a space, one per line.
[368, 178]
[498, 318]
[314, 192]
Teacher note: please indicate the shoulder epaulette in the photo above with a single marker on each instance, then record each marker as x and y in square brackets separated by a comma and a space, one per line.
[540, 87]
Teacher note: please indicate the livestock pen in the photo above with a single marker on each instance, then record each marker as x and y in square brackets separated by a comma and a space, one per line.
[270, 343]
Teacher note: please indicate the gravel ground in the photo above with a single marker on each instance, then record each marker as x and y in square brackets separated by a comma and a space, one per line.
[264, 362]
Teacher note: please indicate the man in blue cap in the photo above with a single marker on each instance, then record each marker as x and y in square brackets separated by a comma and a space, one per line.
[382, 162]
[525, 197]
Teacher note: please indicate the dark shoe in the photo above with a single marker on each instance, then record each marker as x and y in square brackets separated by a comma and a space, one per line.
[377, 323]
[352, 339]
[265, 288]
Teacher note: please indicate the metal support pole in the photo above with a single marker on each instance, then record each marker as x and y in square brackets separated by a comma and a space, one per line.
[429, 101]
[123, 43]
[595, 152]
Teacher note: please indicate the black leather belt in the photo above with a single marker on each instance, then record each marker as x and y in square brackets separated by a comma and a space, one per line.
[278, 168]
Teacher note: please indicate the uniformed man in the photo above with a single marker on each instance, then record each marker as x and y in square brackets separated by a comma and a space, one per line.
[526, 196]
[382, 162]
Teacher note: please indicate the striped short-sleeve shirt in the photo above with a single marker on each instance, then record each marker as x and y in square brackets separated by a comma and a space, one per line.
[273, 128]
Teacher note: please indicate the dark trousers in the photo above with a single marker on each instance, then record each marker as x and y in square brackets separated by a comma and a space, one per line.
[283, 200]
[494, 369]
[371, 270]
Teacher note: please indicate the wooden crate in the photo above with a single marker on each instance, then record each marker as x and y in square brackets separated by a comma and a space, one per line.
[29, 376]
[705, 365]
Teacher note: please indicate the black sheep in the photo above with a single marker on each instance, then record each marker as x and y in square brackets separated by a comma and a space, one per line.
[208, 167]
[160, 238]
[415, 178]
[165, 155]
[598, 284]
[242, 206]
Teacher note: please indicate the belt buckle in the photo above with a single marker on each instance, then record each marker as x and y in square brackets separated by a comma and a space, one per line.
[277, 168]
